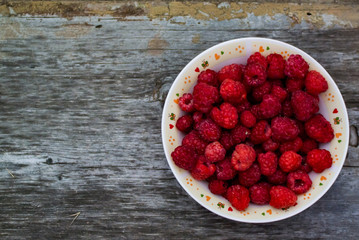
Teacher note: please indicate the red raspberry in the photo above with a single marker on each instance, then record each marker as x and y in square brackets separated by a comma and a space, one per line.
[226, 116]
[296, 67]
[218, 187]
[238, 196]
[204, 96]
[259, 92]
[259, 193]
[243, 156]
[227, 140]
[294, 145]
[225, 170]
[198, 117]
[193, 140]
[233, 71]
[284, 129]
[268, 163]
[269, 107]
[261, 132]
[319, 160]
[308, 145]
[215, 152]
[301, 128]
[315, 83]
[245, 105]
[290, 161]
[277, 82]
[319, 129]
[210, 77]
[270, 145]
[184, 123]
[254, 75]
[304, 105]
[203, 169]
[276, 65]
[186, 102]
[184, 157]
[299, 182]
[232, 91]
[278, 178]
[304, 166]
[255, 111]
[294, 84]
[239, 134]
[282, 197]
[250, 176]
[287, 110]
[209, 131]
[257, 58]
[279, 92]
[247, 119]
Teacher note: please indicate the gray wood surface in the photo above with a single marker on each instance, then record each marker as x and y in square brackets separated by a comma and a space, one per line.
[80, 111]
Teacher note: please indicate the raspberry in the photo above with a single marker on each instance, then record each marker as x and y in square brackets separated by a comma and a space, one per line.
[232, 91]
[277, 178]
[210, 77]
[277, 82]
[259, 92]
[299, 182]
[319, 160]
[279, 92]
[304, 105]
[308, 145]
[225, 170]
[250, 176]
[301, 128]
[218, 187]
[227, 140]
[245, 105]
[243, 156]
[238, 196]
[290, 161]
[268, 163]
[284, 129]
[287, 109]
[198, 117]
[261, 132]
[184, 123]
[259, 193]
[203, 169]
[209, 131]
[276, 65]
[226, 116]
[184, 157]
[233, 71]
[186, 102]
[254, 75]
[294, 145]
[239, 134]
[315, 83]
[294, 84]
[269, 107]
[204, 96]
[296, 67]
[270, 145]
[215, 152]
[319, 129]
[255, 111]
[282, 197]
[247, 119]
[257, 58]
[304, 166]
[193, 140]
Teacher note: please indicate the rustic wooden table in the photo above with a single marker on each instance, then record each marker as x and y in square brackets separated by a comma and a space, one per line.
[82, 85]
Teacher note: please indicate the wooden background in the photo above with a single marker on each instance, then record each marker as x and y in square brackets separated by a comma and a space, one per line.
[82, 85]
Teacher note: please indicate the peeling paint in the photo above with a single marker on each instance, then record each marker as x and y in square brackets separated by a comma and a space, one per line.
[157, 45]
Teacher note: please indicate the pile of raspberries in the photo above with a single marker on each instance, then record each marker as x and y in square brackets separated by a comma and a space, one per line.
[252, 132]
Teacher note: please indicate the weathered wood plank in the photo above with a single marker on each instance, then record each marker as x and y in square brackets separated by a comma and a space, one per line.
[91, 99]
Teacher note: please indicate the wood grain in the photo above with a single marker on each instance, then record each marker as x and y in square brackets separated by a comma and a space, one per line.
[81, 103]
